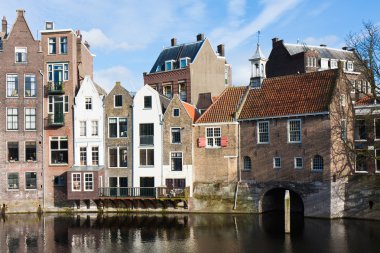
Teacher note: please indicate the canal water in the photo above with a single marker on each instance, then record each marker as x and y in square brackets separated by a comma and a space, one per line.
[184, 233]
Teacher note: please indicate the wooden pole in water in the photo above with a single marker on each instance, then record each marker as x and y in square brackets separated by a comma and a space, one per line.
[287, 211]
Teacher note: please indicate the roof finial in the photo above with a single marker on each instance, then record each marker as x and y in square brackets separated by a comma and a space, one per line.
[258, 37]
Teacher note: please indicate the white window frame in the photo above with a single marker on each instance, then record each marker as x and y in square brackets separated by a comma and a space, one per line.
[16, 88]
[366, 133]
[274, 162]
[18, 181]
[259, 123]
[94, 126]
[171, 65]
[72, 182]
[114, 101]
[179, 112]
[350, 66]
[324, 63]
[87, 181]
[171, 135]
[295, 162]
[65, 71]
[18, 151]
[59, 138]
[360, 171]
[31, 189]
[333, 63]
[250, 163]
[92, 155]
[117, 156]
[300, 130]
[51, 102]
[31, 85]
[118, 135]
[82, 128]
[146, 156]
[187, 61]
[170, 157]
[61, 43]
[85, 161]
[21, 50]
[17, 120]
[35, 119]
[50, 45]
[88, 103]
[164, 90]
[214, 137]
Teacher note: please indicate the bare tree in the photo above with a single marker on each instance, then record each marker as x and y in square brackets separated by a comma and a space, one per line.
[366, 44]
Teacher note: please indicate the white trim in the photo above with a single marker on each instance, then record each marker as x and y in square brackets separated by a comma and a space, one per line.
[288, 131]
[171, 136]
[26, 52]
[179, 112]
[274, 162]
[72, 182]
[213, 137]
[84, 182]
[35, 76]
[25, 181]
[295, 162]
[117, 127]
[171, 64]
[18, 181]
[6, 120]
[258, 131]
[6, 85]
[117, 156]
[67, 45]
[114, 101]
[7, 152]
[170, 159]
[50, 151]
[35, 122]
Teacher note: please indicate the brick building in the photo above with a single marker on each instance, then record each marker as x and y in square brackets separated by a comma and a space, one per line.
[21, 84]
[118, 115]
[67, 60]
[192, 70]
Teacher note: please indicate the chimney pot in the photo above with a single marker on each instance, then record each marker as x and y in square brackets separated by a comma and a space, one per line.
[200, 36]
[221, 50]
[173, 42]
[20, 12]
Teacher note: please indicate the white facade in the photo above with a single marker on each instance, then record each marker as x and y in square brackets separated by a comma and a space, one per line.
[88, 126]
[147, 145]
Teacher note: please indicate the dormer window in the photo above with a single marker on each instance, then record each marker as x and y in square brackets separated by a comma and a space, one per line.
[184, 62]
[169, 65]
[350, 66]
[20, 54]
[333, 64]
[324, 63]
[311, 62]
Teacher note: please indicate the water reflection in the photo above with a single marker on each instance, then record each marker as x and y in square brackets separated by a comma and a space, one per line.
[183, 233]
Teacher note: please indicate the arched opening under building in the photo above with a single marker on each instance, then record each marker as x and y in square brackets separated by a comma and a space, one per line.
[273, 200]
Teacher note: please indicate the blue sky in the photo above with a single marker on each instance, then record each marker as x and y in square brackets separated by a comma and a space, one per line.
[126, 36]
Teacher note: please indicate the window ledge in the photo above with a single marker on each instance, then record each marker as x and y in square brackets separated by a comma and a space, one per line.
[146, 166]
[317, 171]
[360, 140]
[31, 161]
[361, 172]
[263, 143]
[58, 165]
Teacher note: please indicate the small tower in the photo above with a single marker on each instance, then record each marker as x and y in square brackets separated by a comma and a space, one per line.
[258, 62]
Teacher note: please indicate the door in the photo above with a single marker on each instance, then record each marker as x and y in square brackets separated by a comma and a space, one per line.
[58, 109]
[112, 186]
[147, 187]
[123, 186]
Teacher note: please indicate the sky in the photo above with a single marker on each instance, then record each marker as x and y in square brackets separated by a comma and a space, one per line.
[127, 35]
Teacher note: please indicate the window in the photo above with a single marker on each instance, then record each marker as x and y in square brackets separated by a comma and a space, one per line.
[147, 102]
[20, 54]
[184, 62]
[59, 181]
[30, 86]
[88, 182]
[94, 127]
[118, 127]
[146, 134]
[247, 163]
[350, 66]
[317, 162]
[263, 132]
[324, 63]
[377, 160]
[146, 157]
[169, 65]
[30, 180]
[52, 45]
[213, 135]
[343, 100]
[277, 162]
[361, 162]
[30, 118]
[118, 101]
[227, 73]
[176, 161]
[88, 103]
[294, 131]
[176, 183]
[63, 45]
[333, 64]
[175, 112]
[118, 157]
[58, 105]
[168, 91]
[298, 162]
[360, 130]
[12, 85]
[13, 183]
[377, 128]
[311, 62]
[30, 151]
[82, 130]
[176, 135]
[13, 151]
[75, 182]
[59, 150]
[83, 156]
[95, 155]
[12, 119]
[58, 72]
[343, 132]
[182, 91]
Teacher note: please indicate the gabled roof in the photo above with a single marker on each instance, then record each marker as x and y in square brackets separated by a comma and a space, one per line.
[191, 110]
[324, 52]
[100, 90]
[223, 109]
[175, 53]
[297, 94]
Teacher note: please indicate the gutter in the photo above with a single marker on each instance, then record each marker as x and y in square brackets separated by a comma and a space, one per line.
[43, 140]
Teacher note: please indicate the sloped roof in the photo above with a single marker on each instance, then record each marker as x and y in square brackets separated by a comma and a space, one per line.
[291, 95]
[324, 52]
[223, 109]
[100, 90]
[366, 100]
[258, 54]
[191, 110]
[189, 50]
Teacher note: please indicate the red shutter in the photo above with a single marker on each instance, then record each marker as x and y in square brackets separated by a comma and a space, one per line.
[224, 141]
[201, 142]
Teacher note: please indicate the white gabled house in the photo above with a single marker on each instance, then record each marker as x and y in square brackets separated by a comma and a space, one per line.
[148, 111]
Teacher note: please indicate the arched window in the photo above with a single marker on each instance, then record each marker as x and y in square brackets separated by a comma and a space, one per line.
[247, 163]
[317, 162]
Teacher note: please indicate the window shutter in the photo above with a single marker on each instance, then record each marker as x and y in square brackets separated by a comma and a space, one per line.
[224, 141]
[201, 142]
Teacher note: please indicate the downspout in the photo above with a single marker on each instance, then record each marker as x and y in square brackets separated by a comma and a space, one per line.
[161, 118]
[43, 140]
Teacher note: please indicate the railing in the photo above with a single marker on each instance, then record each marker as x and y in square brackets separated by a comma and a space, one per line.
[56, 120]
[143, 192]
[146, 139]
[56, 87]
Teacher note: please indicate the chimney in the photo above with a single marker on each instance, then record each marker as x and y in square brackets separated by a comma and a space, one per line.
[200, 36]
[323, 45]
[221, 50]
[118, 83]
[173, 42]
[79, 34]
[49, 25]
[275, 40]
[87, 44]
[20, 13]
[4, 24]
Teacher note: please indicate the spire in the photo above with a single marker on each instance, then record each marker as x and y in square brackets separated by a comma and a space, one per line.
[258, 62]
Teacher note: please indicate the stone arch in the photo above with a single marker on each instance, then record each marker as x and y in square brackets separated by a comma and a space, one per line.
[273, 200]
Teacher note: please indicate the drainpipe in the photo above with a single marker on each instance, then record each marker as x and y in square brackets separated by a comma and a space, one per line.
[43, 140]
[161, 118]
[238, 169]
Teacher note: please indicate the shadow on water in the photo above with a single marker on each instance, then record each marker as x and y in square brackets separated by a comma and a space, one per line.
[273, 223]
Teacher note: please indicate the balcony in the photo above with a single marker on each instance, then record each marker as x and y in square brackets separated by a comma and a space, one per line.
[56, 88]
[146, 140]
[56, 120]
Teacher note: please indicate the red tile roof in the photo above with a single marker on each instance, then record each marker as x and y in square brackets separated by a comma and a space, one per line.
[223, 109]
[366, 100]
[291, 95]
[191, 110]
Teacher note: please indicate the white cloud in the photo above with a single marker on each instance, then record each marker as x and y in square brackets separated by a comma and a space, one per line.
[318, 10]
[98, 39]
[106, 78]
[329, 40]
[236, 8]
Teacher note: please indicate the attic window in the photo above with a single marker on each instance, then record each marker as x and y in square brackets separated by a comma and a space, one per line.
[350, 66]
[169, 65]
[333, 64]
[184, 62]
[158, 69]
